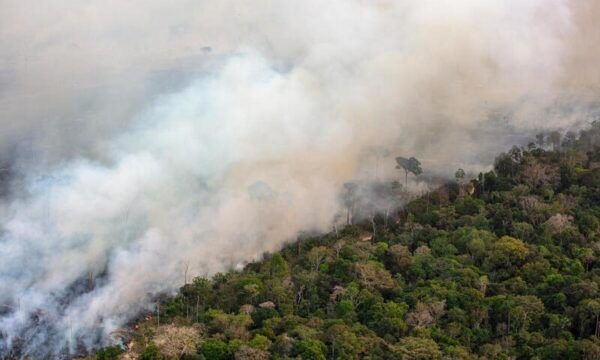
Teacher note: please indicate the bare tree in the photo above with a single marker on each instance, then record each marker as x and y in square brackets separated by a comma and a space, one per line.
[91, 280]
[338, 246]
[459, 175]
[378, 152]
[186, 268]
[426, 314]
[317, 256]
[554, 139]
[174, 341]
[350, 198]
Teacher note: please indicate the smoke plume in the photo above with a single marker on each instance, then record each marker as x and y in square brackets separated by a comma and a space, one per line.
[150, 136]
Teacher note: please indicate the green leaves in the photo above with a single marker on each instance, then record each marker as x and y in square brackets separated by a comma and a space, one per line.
[411, 165]
[508, 271]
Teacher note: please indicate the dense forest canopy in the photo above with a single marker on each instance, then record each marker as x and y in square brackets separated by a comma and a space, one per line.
[502, 267]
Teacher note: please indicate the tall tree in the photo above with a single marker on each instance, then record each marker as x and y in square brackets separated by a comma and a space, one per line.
[540, 139]
[459, 175]
[554, 139]
[350, 198]
[378, 152]
[409, 165]
[569, 140]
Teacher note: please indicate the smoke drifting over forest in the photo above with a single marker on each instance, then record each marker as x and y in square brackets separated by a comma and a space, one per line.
[136, 129]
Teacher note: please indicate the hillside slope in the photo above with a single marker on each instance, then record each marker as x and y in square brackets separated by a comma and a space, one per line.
[505, 266]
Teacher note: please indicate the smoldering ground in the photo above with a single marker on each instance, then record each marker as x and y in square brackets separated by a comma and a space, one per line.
[135, 131]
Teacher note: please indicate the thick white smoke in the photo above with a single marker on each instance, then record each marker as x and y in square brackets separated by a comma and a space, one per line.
[145, 173]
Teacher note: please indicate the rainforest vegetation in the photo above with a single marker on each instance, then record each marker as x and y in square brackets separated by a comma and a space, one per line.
[503, 266]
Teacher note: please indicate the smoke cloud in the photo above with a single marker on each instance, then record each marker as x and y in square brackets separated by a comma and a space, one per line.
[148, 135]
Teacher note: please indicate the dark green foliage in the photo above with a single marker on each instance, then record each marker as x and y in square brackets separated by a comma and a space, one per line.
[509, 270]
[150, 353]
[215, 349]
[311, 349]
[109, 353]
